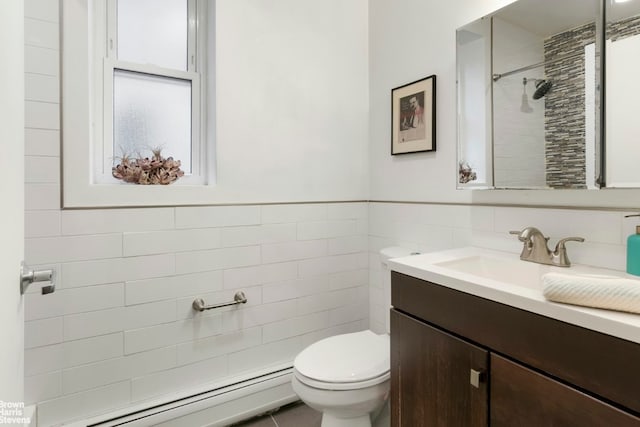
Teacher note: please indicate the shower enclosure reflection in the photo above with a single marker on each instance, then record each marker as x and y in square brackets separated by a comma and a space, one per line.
[623, 86]
[527, 96]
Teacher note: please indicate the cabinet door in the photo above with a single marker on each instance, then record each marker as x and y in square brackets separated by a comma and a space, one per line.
[431, 377]
[522, 397]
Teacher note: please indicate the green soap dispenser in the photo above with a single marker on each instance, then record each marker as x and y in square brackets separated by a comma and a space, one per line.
[633, 251]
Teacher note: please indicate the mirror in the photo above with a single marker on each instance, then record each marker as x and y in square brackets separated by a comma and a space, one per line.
[528, 97]
[623, 86]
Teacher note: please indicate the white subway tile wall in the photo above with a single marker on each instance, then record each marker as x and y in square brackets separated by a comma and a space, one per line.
[122, 314]
[39, 87]
[41, 115]
[102, 399]
[41, 60]
[41, 31]
[45, 10]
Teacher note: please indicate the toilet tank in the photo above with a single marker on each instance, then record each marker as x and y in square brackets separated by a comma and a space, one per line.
[385, 255]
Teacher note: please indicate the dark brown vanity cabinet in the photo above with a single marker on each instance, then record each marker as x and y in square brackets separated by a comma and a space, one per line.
[461, 360]
[428, 363]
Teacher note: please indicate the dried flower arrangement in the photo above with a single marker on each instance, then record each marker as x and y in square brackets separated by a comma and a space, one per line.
[148, 171]
[465, 173]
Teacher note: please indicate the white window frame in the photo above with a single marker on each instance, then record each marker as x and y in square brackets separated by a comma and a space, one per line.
[105, 25]
[88, 62]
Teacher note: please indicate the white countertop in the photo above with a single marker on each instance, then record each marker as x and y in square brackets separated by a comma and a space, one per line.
[524, 293]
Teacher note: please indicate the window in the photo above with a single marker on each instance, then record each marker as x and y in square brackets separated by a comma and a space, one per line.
[135, 79]
[148, 69]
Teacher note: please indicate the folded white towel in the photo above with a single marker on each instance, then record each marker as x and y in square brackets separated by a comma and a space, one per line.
[613, 293]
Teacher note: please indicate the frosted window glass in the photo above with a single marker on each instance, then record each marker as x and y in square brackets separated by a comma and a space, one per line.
[150, 112]
[153, 32]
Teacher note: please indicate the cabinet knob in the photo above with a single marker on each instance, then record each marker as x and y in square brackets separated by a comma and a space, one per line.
[476, 377]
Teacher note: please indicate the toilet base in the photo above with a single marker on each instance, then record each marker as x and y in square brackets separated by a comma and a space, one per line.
[344, 408]
[382, 418]
[329, 420]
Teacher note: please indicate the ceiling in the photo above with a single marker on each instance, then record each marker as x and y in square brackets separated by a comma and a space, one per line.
[549, 17]
[619, 11]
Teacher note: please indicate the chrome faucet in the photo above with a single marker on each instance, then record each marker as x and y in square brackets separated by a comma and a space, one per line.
[536, 250]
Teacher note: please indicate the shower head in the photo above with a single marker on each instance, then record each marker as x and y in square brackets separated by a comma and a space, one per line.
[542, 87]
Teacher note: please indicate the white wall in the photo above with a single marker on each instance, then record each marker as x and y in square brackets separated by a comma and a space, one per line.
[408, 40]
[12, 142]
[292, 99]
[393, 61]
[404, 47]
[292, 126]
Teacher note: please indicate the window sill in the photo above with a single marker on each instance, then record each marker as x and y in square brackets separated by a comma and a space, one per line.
[133, 195]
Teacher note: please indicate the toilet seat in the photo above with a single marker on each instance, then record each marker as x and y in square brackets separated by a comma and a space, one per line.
[345, 362]
[323, 385]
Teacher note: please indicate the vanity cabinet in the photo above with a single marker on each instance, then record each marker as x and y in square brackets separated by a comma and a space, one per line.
[521, 396]
[527, 369]
[418, 352]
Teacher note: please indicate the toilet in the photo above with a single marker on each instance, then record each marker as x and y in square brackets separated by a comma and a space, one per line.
[346, 377]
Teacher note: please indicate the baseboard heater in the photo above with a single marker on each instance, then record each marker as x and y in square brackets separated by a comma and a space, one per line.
[219, 406]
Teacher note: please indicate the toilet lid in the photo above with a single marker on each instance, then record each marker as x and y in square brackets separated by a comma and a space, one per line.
[345, 358]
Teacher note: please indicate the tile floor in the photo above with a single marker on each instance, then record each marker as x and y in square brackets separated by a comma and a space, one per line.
[296, 414]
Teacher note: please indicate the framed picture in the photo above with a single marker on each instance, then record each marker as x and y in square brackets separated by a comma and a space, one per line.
[413, 117]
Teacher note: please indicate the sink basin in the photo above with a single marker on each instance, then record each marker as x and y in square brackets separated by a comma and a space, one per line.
[513, 272]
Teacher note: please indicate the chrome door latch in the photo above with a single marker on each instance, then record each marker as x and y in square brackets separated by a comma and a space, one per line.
[28, 276]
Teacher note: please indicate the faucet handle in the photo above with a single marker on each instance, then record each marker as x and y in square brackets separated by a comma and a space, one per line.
[560, 244]
[529, 232]
[519, 234]
[559, 255]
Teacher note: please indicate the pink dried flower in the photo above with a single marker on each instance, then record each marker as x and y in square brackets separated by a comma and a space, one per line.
[146, 171]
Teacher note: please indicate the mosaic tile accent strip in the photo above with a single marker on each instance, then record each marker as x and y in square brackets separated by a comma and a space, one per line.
[564, 115]
[624, 28]
[564, 111]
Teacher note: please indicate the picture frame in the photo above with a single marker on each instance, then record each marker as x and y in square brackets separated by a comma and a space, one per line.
[413, 117]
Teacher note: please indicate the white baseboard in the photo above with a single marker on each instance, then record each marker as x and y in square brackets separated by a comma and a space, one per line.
[238, 408]
[219, 407]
